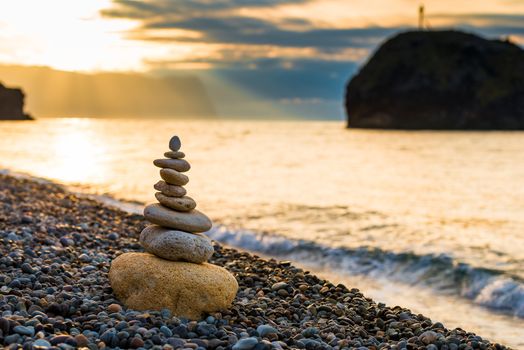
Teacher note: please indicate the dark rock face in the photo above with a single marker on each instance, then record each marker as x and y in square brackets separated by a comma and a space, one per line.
[12, 104]
[439, 80]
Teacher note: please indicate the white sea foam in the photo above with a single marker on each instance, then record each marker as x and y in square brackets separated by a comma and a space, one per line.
[490, 288]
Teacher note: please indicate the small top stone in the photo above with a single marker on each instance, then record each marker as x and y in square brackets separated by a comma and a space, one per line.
[175, 144]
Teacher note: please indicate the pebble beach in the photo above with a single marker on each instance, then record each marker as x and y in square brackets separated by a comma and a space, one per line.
[57, 248]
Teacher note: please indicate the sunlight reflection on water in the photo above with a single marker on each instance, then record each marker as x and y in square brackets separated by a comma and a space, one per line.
[76, 155]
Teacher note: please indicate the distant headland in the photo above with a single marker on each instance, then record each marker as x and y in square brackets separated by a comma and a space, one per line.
[12, 104]
[444, 80]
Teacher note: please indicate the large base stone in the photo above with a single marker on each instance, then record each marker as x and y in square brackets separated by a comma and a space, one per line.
[145, 282]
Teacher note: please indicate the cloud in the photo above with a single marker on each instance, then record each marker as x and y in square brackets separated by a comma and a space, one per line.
[147, 9]
[296, 62]
[483, 19]
[243, 30]
[159, 18]
[221, 25]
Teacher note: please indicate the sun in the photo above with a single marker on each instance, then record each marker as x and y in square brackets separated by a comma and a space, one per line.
[69, 35]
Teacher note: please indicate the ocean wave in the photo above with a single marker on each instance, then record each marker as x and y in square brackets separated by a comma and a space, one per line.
[487, 287]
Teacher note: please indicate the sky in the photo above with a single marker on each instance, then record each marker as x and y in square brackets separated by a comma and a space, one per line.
[269, 56]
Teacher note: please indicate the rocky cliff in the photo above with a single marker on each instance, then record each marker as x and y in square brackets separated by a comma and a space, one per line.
[439, 80]
[12, 104]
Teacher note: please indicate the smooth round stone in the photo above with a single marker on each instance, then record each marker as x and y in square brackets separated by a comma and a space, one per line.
[170, 190]
[246, 344]
[173, 177]
[174, 154]
[176, 164]
[143, 281]
[192, 221]
[176, 203]
[265, 329]
[175, 144]
[176, 245]
[41, 344]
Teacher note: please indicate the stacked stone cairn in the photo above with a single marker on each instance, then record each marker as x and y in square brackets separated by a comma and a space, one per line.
[173, 273]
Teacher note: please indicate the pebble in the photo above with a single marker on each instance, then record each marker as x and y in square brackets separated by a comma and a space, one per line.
[279, 285]
[11, 339]
[176, 342]
[166, 331]
[81, 340]
[428, 337]
[193, 221]
[114, 308]
[136, 343]
[176, 245]
[246, 344]
[27, 268]
[265, 329]
[179, 204]
[67, 242]
[180, 165]
[84, 258]
[113, 236]
[29, 331]
[205, 329]
[41, 344]
[13, 236]
[173, 177]
[59, 339]
[310, 332]
[170, 190]
[175, 143]
[174, 154]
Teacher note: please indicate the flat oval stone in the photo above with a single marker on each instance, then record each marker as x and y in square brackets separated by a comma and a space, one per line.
[177, 164]
[143, 281]
[175, 144]
[176, 203]
[174, 154]
[192, 221]
[176, 245]
[173, 177]
[170, 190]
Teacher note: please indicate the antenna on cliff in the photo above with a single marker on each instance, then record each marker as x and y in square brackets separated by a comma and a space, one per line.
[421, 17]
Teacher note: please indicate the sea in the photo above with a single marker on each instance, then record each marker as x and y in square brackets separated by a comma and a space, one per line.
[429, 220]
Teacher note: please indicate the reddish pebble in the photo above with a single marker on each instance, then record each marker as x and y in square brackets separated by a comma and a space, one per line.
[81, 341]
[136, 343]
[114, 308]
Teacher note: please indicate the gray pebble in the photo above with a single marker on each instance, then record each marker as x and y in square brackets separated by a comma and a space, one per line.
[11, 339]
[310, 332]
[23, 330]
[428, 337]
[175, 144]
[176, 245]
[112, 236]
[27, 268]
[13, 237]
[84, 258]
[265, 329]
[41, 344]
[246, 344]
[166, 331]
[279, 285]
